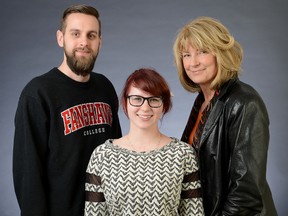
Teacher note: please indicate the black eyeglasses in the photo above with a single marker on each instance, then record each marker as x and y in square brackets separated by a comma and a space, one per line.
[137, 101]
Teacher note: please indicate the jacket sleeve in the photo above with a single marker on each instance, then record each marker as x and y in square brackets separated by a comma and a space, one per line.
[191, 201]
[248, 137]
[29, 153]
[95, 203]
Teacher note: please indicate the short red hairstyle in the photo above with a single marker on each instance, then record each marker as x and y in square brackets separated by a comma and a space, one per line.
[150, 81]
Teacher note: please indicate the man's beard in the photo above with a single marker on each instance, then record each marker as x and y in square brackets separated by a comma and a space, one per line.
[80, 65]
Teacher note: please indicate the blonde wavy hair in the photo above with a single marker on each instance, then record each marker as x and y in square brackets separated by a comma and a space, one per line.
[208, 34]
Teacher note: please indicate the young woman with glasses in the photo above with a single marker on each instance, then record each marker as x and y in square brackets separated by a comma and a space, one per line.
[145, 172]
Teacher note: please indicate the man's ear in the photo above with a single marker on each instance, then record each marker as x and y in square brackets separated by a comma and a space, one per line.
[60, 36]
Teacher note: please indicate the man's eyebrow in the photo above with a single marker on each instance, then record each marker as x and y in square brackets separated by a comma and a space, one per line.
[71, 30]
[89, 32]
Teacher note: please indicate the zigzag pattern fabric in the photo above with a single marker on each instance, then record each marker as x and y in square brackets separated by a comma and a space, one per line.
[163, 182]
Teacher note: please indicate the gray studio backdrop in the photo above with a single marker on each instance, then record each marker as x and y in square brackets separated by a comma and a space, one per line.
[140, 34]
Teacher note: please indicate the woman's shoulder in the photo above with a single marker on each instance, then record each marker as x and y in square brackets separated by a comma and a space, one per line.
[187, 153]
[240, 94]
[241, 91]
[180, 143]
[183, 146]
[104, 147]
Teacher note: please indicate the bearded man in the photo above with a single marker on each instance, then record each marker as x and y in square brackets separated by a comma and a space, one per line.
[62, 116]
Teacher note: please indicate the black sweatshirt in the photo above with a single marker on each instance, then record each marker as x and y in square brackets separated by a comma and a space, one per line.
[58, 124]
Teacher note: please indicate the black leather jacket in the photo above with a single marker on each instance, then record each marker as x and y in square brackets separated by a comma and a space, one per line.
[233, 154]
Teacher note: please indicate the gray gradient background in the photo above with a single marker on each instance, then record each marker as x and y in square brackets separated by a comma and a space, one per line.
[141, 33]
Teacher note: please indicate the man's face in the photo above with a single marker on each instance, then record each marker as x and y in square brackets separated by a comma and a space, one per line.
[81, 42]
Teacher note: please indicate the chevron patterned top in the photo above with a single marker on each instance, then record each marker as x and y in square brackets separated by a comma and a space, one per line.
[162, 182]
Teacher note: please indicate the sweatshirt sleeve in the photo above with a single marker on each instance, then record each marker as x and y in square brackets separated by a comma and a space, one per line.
[191, 200]
[29, 152]
[116, 127]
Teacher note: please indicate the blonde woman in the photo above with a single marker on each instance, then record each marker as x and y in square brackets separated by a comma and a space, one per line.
[228, 123]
